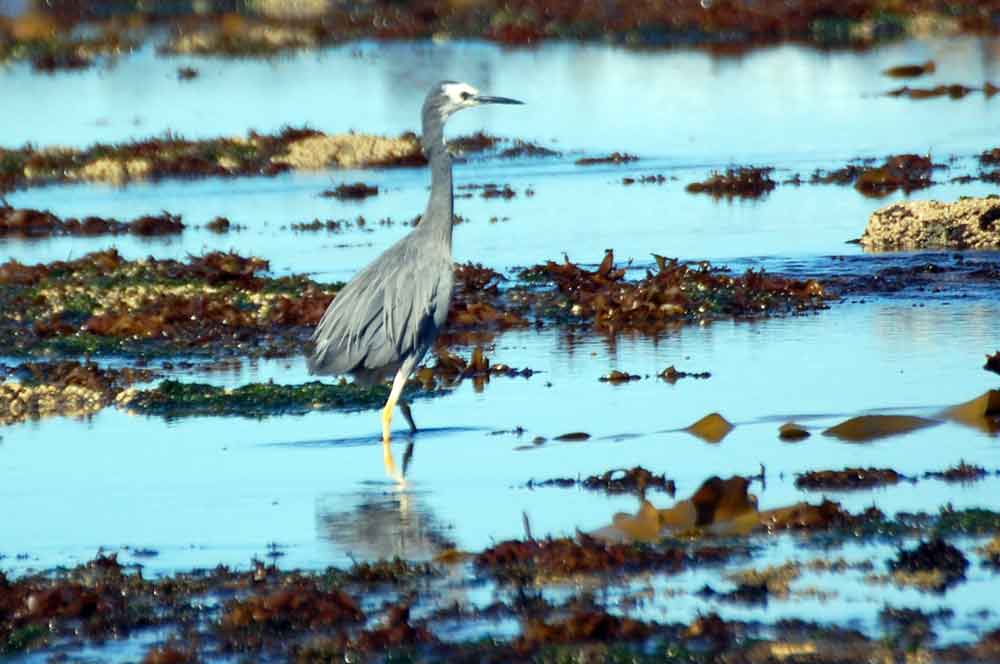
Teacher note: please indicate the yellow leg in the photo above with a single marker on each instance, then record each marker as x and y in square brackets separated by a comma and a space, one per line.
[390, 405]
[398, 383]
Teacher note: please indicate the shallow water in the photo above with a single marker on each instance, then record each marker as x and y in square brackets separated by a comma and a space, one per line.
[311, 490]
[686, 105]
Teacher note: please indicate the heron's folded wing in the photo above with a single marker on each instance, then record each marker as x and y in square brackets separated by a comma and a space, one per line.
[412, 297]
[351, 328]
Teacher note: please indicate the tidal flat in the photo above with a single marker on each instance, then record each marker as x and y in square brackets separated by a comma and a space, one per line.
[678, 413]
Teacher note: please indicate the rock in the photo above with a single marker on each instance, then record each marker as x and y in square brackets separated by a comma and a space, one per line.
[350, 151]
[968, 223]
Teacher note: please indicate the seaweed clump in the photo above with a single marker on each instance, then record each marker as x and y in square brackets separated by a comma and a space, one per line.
[635, 480]
[29, 223]
[911, 71]
[97, 600]
[294, 607]
[671, 293]
[478, 309]
[672, 375]
[477, 142]
[907, 172]
[613, 158]
[743, 182]
[617, 377]
[560, 558]
[963, 472]
[522, 148]
[990, 157]
[993, 362]
[450, 369]
[102, 303]
[849, 478]
[580, 627]
[356, 191]
[952, 91]
[935, 564]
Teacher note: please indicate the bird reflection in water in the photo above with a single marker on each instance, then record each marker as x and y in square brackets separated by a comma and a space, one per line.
[375, 525]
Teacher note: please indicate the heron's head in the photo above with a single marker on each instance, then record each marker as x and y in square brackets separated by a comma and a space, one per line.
[448, 97]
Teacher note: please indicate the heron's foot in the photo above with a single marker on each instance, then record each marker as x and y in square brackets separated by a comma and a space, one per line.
[405, 407]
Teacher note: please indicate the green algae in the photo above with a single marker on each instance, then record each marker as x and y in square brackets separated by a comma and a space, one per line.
[174, 399]
[622, 653]
[969, 521]
[873, 525]
[22, 639]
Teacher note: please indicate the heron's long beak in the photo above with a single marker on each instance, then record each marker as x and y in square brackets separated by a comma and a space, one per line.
[484, 99]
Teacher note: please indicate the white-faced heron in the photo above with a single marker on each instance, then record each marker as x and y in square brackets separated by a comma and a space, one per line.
[387, 317]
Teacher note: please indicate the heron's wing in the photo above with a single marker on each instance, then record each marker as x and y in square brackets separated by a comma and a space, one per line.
[385, 314]
[352, 324]
[415, 297]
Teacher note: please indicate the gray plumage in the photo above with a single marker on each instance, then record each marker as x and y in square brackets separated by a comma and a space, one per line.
[387, 317]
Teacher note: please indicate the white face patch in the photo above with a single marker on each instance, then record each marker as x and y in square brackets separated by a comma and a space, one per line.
[459, 96]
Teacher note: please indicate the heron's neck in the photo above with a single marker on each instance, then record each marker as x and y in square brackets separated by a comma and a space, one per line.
[437, 220]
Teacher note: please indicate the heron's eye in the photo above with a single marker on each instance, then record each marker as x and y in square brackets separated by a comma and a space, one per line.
[466, 96]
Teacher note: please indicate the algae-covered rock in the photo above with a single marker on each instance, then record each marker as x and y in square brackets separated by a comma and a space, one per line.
[176, 399]
[968, 223]
[36, 390]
